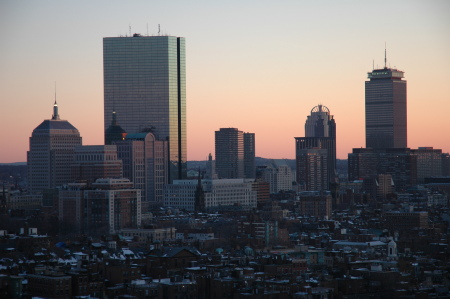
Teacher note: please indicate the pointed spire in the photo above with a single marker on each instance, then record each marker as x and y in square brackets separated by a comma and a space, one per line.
[55, 115]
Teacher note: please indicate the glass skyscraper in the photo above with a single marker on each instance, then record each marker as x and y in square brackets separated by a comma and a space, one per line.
[145, 83]
[386, 122]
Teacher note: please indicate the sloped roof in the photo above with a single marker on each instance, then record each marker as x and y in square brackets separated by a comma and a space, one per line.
[50, 124]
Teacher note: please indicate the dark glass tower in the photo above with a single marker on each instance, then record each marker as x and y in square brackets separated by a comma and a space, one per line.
[229, 153]
[145, 83]
[386, 122]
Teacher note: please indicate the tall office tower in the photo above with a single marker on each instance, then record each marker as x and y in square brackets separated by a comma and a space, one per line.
[145, 163]
[320, 132]
[145, 83]
[92, 162]
[51, 153]
[249, 156]
[386, 122]
[229, 153]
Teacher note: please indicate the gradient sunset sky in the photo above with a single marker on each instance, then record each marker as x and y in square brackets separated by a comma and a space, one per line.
[259, 66]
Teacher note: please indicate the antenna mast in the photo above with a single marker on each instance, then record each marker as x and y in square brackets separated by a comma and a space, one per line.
[385, 60]
[159, 29]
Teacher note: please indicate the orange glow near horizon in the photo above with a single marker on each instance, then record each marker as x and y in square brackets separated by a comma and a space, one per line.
[258, 76]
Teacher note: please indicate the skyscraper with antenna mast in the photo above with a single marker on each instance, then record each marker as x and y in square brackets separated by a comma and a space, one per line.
[386, 108]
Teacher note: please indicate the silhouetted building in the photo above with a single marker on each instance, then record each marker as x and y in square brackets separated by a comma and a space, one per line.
[317, 204]
[235, 154]
[386, 113]
[71, 207]
[312, 169]
[429, 163]
[92, 162]
[320, 132]
[145, 163]
[113, 205]
[211, 169]
[145, 83]
[51, 151]
[114, 132]
[446, 164]
[249, 156]
[400, 163]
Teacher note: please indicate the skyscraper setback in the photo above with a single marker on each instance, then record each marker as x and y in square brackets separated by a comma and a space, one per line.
[386, 116]
[145, 83]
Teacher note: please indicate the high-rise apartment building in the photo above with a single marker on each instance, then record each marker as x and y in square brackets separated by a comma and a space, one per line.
[51, 151]
[319, 146]
[235, 154]
[145, 83]
[386, 116]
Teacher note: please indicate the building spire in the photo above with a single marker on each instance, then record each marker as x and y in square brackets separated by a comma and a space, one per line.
[55, 115]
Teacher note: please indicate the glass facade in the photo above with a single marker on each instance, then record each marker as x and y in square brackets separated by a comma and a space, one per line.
[145, 83]
[386, 115]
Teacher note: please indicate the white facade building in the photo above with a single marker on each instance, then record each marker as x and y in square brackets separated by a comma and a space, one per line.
[218, 194]
[279, 176]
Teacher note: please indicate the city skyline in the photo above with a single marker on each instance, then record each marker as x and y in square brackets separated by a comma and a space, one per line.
[247, 73]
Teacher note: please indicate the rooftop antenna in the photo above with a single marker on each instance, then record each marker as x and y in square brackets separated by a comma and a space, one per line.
[129, 28]
[159, 29]
[385, 55]
[147, 29]
[55, 115]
